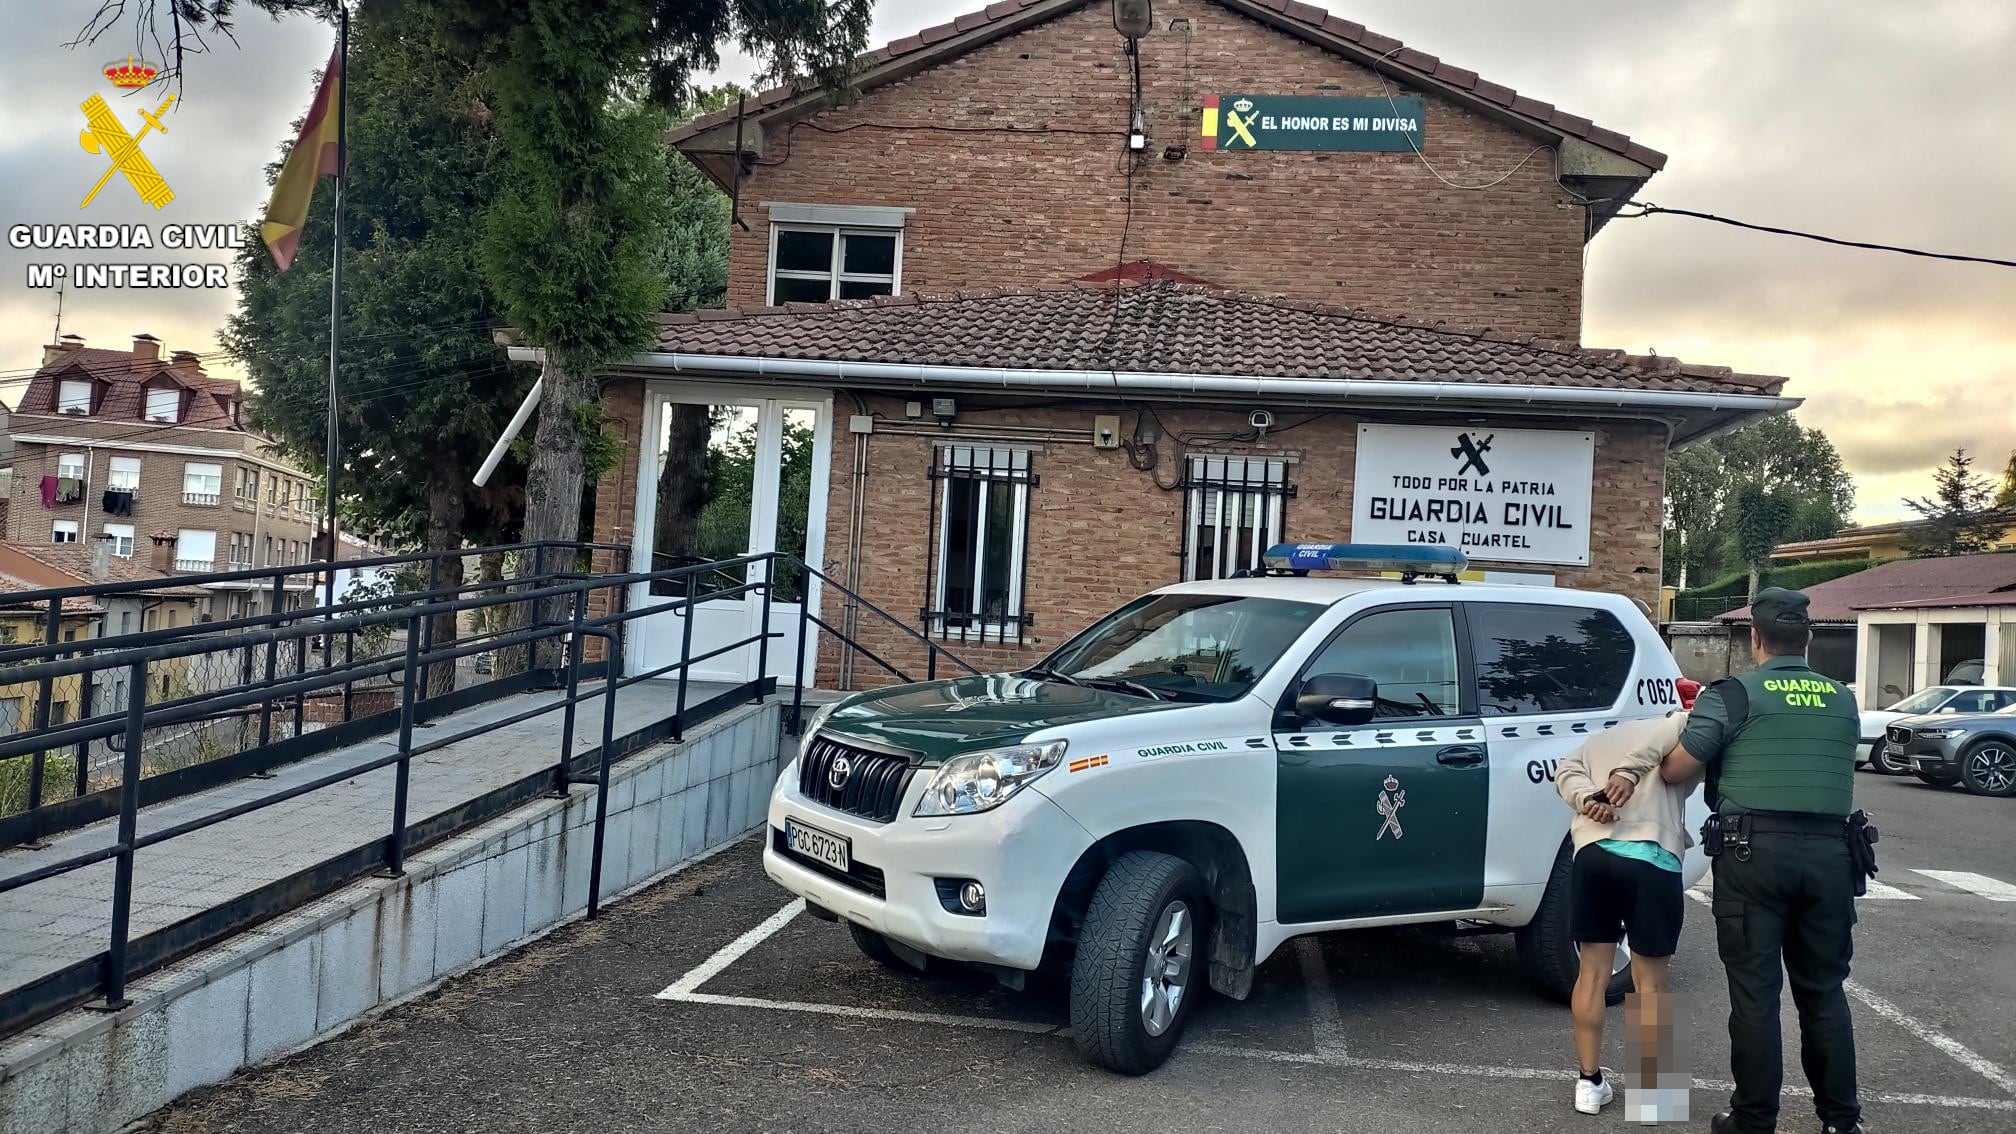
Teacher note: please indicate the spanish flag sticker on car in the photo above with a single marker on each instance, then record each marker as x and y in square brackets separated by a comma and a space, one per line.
[1098, 761]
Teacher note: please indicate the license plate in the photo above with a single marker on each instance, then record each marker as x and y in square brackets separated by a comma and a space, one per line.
[812, 842]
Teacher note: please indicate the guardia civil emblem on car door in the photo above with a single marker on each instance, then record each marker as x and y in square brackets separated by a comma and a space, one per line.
[1390, 802]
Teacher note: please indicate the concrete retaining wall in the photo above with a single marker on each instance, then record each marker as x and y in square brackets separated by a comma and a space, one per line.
[276, 988]
[1708, 651]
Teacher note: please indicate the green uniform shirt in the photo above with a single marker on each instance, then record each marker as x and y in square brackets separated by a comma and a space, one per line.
[1710, 734]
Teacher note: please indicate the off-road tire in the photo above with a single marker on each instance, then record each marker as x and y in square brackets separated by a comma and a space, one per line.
[1106, 974]
[876, 948]
[1548, 958]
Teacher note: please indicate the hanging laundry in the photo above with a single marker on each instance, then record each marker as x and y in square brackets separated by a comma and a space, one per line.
[118, 502]
[48, 492]
[69, 489]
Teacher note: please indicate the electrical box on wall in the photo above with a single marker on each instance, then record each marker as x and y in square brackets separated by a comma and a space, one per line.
[913, 409]
[1106, 431]
[861, 423]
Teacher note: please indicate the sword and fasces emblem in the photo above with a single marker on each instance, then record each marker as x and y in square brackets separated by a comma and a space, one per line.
[104, 134]
[1390, 802]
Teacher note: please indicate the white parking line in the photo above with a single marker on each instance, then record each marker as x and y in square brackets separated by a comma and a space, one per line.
[1330, 1050]
[1993, 889]
[1935, 1037]
[1325, 1020]
[733, 951]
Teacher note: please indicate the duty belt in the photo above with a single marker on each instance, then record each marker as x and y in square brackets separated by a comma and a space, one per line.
[1795, 823]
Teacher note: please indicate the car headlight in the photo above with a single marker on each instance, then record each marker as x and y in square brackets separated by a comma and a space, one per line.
[1941, 733]
[812, 725]
[982, 781]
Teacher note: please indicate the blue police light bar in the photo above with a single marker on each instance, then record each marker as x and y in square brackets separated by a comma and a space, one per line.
[1410, 561]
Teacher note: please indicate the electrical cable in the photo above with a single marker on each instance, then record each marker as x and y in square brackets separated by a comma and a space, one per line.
[928, 128]
[1646, 209]
[1416, 146]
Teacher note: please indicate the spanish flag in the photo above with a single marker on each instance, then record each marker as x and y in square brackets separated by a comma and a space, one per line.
[317, 153]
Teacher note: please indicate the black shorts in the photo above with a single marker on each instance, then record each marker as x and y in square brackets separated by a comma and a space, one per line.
[1611, 895]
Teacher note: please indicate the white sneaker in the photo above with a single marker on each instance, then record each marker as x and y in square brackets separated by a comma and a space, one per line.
[1593, 1097]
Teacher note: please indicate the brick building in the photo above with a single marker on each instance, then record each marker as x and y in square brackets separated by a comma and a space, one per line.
[998, 366]
[122, 445]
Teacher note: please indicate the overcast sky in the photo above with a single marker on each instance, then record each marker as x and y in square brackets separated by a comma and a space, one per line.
[1866, 119]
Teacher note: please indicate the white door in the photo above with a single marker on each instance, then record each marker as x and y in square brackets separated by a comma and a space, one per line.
[729, 472]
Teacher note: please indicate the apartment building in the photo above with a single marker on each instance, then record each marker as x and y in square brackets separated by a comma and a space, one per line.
[123, 445]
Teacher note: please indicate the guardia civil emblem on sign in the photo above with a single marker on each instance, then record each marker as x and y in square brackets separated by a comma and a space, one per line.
[1390, 802]
[105, 135]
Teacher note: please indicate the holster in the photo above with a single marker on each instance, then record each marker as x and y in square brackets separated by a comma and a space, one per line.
[1862, 836]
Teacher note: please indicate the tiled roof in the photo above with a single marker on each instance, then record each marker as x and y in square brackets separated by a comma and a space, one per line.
[1175, 328]
[12, 585]
[1904, 581]
[126, 377]
[1304, 19]
[74, 559]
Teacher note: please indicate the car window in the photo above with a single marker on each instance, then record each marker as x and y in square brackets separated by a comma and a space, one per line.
[1923, 701]
[1534, 658]
[1411, 654]
[1975, 701]
[2003, 699]
[1187, 646]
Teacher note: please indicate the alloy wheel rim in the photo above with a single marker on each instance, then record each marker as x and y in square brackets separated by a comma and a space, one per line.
[1165, 971]
[1621, 959]
[1994, 767]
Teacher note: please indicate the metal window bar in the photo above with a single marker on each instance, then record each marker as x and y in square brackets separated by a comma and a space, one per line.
[1242, 503]
[991, 470]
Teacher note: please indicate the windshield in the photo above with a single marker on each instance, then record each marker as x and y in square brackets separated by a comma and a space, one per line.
[1186, 647]
[1923, 701]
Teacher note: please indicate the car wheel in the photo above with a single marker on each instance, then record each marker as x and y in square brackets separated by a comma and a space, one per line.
[1140, 963]
[1988, 767]
[1547, 954]
[876, 948]
[1882, 762]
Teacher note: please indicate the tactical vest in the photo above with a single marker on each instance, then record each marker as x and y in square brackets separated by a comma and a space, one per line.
[1794, 747]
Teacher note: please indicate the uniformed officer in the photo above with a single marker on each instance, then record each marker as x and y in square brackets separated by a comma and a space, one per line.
[1779, 745]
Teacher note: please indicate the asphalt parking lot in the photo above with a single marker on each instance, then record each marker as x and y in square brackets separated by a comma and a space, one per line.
[709, 1003]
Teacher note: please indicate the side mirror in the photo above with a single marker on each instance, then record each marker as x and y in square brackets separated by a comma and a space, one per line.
[1337, 698]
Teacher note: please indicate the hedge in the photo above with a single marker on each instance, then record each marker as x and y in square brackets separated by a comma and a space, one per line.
[1796, 576]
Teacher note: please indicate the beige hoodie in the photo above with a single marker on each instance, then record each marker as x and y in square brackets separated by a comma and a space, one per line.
[1657, 810]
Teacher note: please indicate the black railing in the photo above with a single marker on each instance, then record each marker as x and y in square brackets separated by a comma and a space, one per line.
[104, 976]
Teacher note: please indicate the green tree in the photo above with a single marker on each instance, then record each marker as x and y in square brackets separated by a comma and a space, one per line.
[1958, 516]
[2005, 496]
[1731, 500]
[423, 391]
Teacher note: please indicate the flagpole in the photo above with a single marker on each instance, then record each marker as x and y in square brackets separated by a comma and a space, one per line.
[336, 314]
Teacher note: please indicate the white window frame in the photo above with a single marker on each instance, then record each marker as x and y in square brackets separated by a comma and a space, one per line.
[122, 536]
[173, 412]
[200, 486]
[64, 528]
[123, 474]
[70, 465]
[73, 395]
[1258, 489]
[948, 462]
[833, 275]
[187, 562]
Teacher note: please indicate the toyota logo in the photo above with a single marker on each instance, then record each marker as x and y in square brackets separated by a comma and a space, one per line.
[836, 776]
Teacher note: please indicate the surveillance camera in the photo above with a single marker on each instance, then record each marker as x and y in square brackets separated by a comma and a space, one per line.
[1261, 420]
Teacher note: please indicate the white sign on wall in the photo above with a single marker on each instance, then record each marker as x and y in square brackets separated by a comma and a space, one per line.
[1501, 495]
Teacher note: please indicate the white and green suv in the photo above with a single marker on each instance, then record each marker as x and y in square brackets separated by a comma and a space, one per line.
[1216, 768]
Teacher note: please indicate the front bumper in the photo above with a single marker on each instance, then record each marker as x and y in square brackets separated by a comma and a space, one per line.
[1933, 757]
[1021, 852]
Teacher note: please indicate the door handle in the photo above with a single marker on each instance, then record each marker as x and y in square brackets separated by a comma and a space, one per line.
[1461, 756]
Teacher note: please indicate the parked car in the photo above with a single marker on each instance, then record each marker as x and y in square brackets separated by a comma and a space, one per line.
[1975, 750]
[1217, 768]
[1939, 700]
[1967, 672]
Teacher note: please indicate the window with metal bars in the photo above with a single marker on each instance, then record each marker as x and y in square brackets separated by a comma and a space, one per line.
[1232, 513]
[980, 520]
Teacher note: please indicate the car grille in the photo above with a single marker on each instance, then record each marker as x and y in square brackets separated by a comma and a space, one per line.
[863, 877]
[1900, 735]
[872, 789]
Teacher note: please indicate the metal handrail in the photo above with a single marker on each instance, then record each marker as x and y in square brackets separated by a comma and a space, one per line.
[110, 970]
